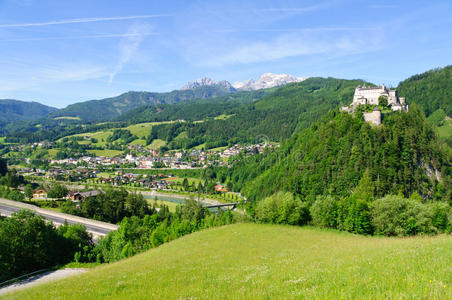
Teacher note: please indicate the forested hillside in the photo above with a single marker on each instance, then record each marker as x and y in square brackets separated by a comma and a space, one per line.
[194, 110]
[431, 90]
[69, 122]
[403, 156]
[70, 119]
[106, 109]
[271, 114]
[15, 110]
[274, 117]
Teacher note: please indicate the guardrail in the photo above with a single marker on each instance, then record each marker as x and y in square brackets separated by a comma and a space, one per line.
[10, 281]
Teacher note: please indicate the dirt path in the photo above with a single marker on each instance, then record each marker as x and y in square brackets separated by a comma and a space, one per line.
[41, 278]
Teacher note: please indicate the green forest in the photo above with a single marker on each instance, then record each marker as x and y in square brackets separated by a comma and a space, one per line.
[274, 117]
[431, 90]
[343, 164]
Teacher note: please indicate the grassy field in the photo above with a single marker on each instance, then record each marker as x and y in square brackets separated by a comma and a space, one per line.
[171, 205]
[66, 118]
[142, 130]
[156, 144]
[52, 153]
[250, 261]
[445, 131]
[106, 153]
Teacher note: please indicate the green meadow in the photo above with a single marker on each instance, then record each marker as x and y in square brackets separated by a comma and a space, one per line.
[106, 153]
[141, 130]
[251, 261]
[445, 131]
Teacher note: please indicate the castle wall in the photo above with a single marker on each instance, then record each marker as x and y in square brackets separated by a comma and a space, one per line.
[373, 117]
[370, 95]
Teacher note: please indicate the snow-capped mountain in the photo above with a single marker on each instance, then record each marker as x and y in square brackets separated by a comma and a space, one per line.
[206, 81]
[266, 80]
[199, 82]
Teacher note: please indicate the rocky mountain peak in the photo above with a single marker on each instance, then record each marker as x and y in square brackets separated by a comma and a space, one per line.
[266, 80]
[204, 81]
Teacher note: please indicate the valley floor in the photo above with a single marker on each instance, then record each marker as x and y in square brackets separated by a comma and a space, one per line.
[252, 261]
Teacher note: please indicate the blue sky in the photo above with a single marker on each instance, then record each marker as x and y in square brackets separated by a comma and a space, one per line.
[61, 52]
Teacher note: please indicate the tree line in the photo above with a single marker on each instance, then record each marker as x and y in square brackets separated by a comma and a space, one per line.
[28, 243]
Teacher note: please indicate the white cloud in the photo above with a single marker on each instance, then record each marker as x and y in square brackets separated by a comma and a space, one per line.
[129, 45]
[83, 20]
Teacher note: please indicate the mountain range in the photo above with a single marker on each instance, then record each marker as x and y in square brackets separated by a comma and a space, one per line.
[18, 116]
[266, 80]
[113, 107]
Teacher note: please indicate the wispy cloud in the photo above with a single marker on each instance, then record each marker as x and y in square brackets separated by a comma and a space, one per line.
[129, 45]
[320, 5]
[50, 74]
[70, 73]
[293, 45]
[312, 29]
[83, 20]
[93, 36]
[382, 6]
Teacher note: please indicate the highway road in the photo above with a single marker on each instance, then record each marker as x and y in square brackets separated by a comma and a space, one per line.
[58, 218]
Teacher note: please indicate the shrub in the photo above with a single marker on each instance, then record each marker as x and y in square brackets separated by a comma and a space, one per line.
[354, 216]
[282, 208]
[397, 216]
[324, 212]
[441, 216]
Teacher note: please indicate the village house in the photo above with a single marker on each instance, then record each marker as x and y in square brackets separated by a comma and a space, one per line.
[81, 196]
[40, 195]
[221, 188]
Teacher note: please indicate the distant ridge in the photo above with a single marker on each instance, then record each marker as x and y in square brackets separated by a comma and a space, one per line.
[109, 108]
[15, 110]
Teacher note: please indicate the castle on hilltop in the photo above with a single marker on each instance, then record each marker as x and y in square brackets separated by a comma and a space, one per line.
[373, 96]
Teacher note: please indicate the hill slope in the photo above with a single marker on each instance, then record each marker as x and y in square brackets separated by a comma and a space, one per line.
[15, 110]
[431, 90]
[106, 109]
[274, 113]
[403, 155]
[252, 261]
[273, 117]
